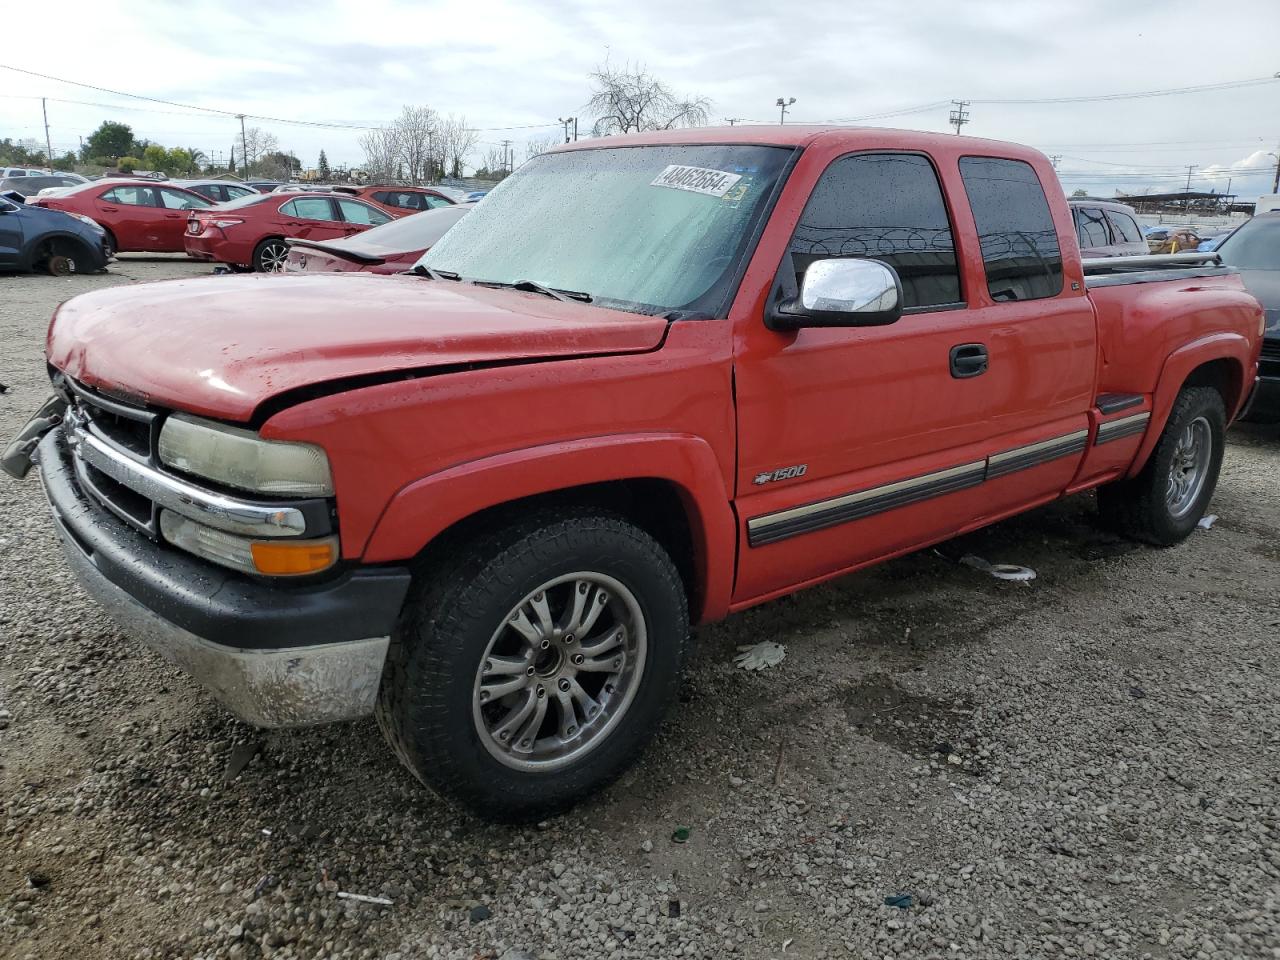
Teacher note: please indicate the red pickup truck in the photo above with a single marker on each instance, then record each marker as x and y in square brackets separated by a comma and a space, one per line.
[651, 380]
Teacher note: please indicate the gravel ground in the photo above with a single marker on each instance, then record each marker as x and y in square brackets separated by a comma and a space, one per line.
[1083, 766]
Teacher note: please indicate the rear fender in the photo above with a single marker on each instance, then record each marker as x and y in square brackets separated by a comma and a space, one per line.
[424, 509]
[1233, 348]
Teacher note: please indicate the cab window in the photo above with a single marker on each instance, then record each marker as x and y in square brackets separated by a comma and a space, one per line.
[887, 207]
[1092, 227]
[1124, 226]
[1016, 231]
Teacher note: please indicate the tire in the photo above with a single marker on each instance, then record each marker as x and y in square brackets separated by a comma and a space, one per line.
[1163, 503]
[446, 719]
[109, 247]
[270, 254]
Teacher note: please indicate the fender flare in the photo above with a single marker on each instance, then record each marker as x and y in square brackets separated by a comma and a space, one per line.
[27, 259]
[1179, 365]
[424, 509]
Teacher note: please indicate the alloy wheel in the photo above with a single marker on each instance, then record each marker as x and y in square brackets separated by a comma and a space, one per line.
[560, 671]
[1189, 467]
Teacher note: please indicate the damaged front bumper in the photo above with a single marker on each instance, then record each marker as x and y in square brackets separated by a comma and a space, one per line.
[276, 655]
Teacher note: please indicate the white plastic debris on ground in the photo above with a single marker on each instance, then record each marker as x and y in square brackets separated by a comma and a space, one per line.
[1001, 571]
[760, 656]
[1207, 521]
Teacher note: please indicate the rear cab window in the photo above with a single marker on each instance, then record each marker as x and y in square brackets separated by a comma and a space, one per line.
[1125, 227]
[1091, 227]
[887, 207]
[1016, 230]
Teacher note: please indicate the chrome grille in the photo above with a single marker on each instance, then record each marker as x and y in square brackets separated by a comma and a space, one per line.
[115, 454]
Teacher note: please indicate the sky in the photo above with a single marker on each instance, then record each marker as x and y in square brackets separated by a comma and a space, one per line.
[512, 69]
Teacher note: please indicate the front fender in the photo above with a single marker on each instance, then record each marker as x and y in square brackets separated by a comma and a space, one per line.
[1234, 348]
[423, 510]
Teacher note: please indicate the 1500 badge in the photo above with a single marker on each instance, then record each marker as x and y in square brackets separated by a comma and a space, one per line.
[782, 473]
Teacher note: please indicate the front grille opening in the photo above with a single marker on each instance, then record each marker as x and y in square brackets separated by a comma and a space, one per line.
[129, 434]
[134, 505]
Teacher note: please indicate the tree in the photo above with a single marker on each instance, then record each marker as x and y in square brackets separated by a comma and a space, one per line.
[322, 167]
[629, 99]
[495, 162]
[540, 145]
[155, 157]
[1079, 193]
[111, 141]
[231, 163]
[257, 144]
[415, 135]
[381, 153]
[278, 165]
[457, 140]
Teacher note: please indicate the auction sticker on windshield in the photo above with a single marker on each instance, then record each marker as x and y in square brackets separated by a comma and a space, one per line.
[713, 183]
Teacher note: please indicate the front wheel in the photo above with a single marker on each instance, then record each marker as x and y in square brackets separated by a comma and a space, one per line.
[1163, 503]
[109, 246]
[533, 668]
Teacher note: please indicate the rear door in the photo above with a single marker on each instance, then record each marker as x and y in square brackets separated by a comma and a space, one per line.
[312, 218]
[1127, 237]
[858, 443]
[132, 213]
[177, 205]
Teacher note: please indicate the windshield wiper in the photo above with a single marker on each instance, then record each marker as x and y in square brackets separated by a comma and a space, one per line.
[422, 271]
[533, 286]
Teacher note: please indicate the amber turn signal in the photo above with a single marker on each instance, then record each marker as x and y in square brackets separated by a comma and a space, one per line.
[285, 559]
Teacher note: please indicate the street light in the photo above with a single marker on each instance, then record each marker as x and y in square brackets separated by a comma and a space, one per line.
[783, 104]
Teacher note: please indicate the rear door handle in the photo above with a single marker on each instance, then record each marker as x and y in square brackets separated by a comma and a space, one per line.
[968, 360]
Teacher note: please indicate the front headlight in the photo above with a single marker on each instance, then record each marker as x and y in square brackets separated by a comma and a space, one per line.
[240, 458]
[90, 221]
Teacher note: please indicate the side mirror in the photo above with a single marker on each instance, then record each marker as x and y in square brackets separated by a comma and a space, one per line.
[841, 292]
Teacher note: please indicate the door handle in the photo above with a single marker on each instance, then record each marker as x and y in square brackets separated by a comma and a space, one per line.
[968, 360]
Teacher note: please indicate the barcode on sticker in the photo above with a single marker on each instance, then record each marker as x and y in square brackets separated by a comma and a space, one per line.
[713, 183]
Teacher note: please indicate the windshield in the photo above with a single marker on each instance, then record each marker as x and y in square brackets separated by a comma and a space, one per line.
[649, 229]
[248, 200]
[1255, 246]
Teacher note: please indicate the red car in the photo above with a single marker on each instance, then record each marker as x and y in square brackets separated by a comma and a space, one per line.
[652, 380]
[137, 215]
[399, 201]
[252, 232]
[391, 248]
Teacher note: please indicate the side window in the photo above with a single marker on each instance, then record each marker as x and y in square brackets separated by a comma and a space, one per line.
[129, 196]
[883, 206]
[1124, 226]
[309, 208]
[353, 211]
[435, 202]
[173, 200]
[1093, 228]
[1015, 228]
[384, 196]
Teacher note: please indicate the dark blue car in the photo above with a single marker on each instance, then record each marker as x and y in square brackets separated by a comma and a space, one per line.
[35, 238]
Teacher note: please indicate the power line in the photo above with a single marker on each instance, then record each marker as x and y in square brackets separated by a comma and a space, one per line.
[1142, 94]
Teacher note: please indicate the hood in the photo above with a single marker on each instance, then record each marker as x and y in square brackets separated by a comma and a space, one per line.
[221, 346]
[1265, 285]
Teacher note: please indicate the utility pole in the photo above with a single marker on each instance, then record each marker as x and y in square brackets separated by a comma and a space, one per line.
[48, 145]
[575, 129]
[734, 121]
[244, 146]
[1275, 184]
[1054, 158]
[1186, 203]
[506, 164]
[959, 116]
[783, 105]
[567, 121]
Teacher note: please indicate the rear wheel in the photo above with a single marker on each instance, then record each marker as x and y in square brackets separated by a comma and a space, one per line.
[534, 666]
[269, 256]
[1163, 503]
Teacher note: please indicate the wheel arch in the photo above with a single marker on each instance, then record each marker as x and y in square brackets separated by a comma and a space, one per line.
[674, 490]
[38, 246]
[1218, 361]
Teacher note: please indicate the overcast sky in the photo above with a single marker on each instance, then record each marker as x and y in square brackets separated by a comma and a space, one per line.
[522, 64]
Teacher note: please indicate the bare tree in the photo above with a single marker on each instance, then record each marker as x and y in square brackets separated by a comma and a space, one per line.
[416, 130]
[456, 141]
[381, 153]
[495, 161]
[540, 145]
[257, 144]
[629, 99]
